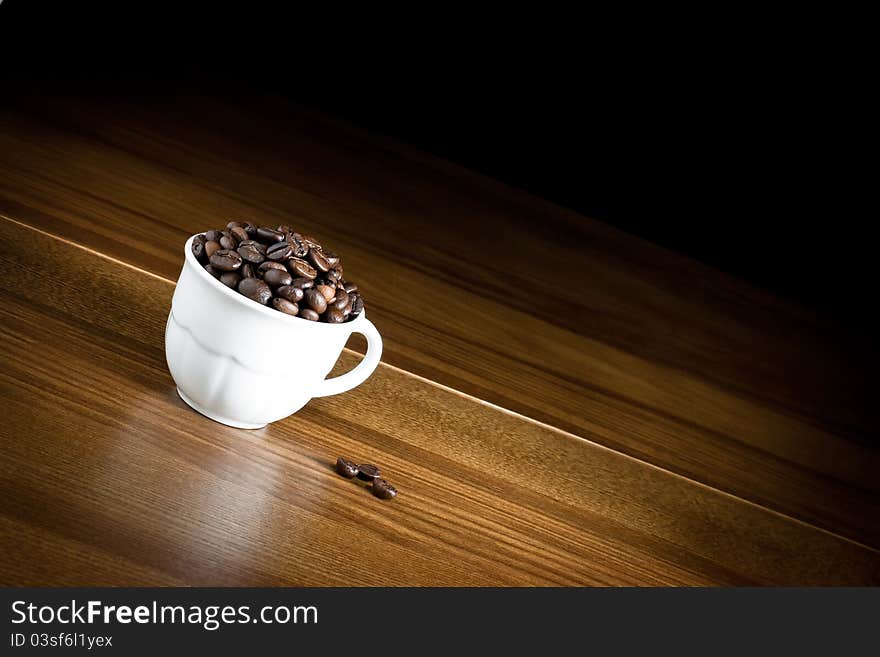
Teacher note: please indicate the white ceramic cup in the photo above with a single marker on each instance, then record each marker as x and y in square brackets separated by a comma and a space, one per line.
[246, 365]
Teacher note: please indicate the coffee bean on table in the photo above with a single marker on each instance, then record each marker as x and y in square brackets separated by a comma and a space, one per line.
[255, 289]
[368, 472]
[266, 266]
[315, 300]
[333, 316]
[277, 277]
[269, 235]
[346, 468]
[211, 247]
[300, 268]
[290, 292]
[230, 279]
[226, 260]
[318, 260]
[382, 489]
[285, 306]
[309, 314]
[279, 252]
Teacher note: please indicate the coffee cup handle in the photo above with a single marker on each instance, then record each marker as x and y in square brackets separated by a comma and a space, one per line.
[363, 369]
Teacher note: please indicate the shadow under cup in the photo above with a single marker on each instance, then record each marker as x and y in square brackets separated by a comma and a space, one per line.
[246, 365]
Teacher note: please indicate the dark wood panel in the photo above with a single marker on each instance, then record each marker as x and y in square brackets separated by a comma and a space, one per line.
[104, 467]
[485, 290]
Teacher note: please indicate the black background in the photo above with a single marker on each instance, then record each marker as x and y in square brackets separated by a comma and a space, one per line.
[740, 141]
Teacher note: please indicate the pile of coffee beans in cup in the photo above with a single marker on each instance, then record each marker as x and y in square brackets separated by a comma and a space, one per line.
[366, 472]
[279, 268]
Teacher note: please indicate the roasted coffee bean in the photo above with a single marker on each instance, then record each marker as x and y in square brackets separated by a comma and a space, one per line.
[255, 289]
[259, 246]
[346, 468]
[230, 279]
[277, 277]
[198, 248]
[239, 233]
[327, 291]
[301, 268]
[285, 306]
[300, 248]
[341, 301]
[312, 243]
[289, 292]
[315, 300]
[252, 251]
[368, 472]
[279, 252]
[318, 260]
[357, 306]
[266, 266]
[269, 235]
[226, 260]
[256, 260]
[211, 247]
[382, 489]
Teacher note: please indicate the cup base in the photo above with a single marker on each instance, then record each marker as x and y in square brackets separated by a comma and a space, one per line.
[217, 418]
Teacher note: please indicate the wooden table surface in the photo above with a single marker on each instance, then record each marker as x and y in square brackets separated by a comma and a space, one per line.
[559, 403]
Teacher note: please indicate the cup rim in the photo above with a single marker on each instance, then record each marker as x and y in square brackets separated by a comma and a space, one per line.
[190, 259]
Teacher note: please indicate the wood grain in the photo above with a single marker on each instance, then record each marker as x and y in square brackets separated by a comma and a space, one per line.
[485, 290]
[109, 478]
